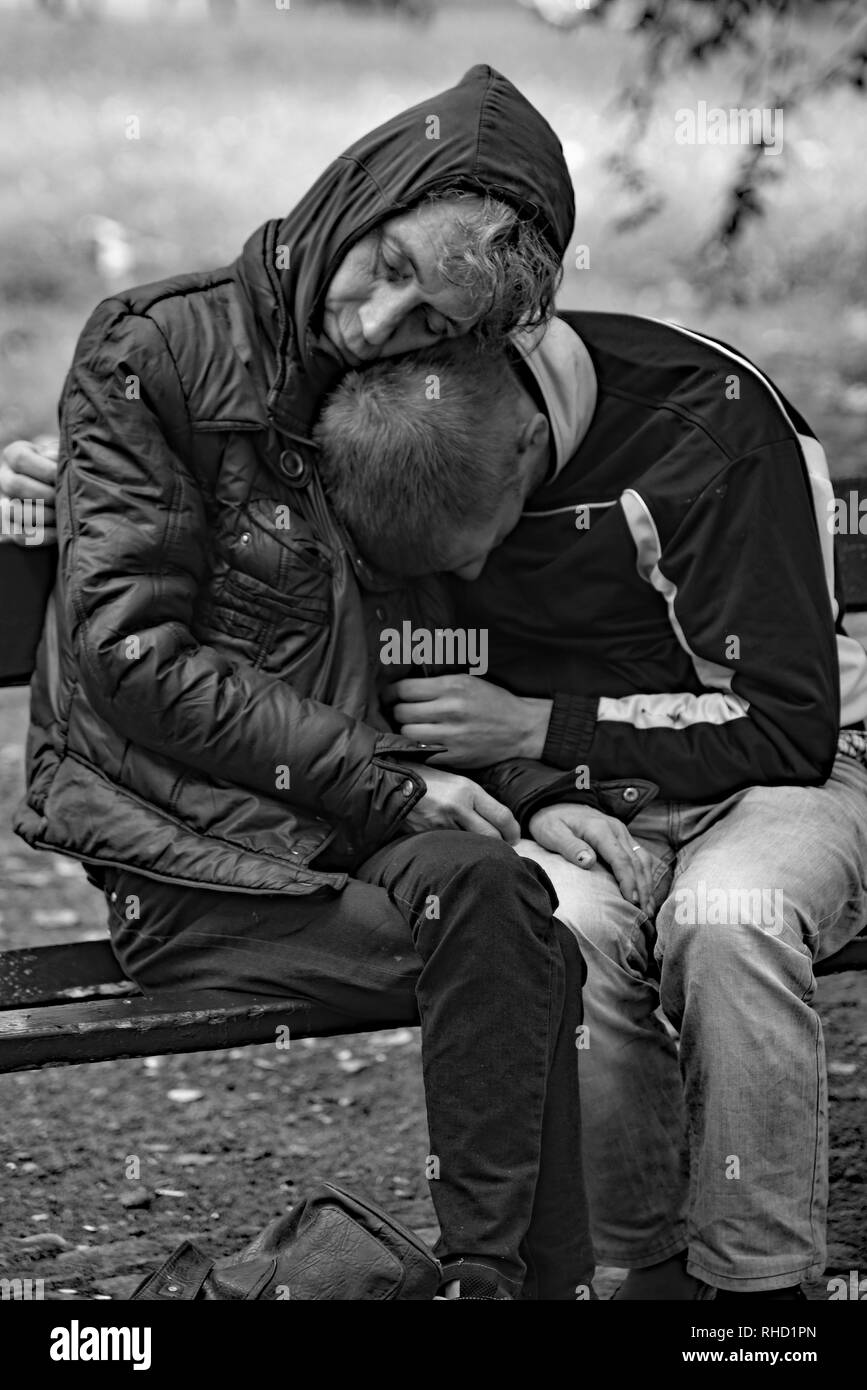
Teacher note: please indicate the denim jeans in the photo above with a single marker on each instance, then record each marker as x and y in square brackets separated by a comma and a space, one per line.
[718, 1147]
[464, 926]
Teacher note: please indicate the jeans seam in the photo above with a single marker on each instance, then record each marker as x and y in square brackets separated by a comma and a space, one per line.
[813, 1224]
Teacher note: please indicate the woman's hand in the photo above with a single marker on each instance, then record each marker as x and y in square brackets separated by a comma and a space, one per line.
[453, 802]
[28, 472]
[582, 835]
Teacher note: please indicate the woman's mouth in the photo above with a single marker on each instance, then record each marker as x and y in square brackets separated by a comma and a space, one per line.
[332, 331]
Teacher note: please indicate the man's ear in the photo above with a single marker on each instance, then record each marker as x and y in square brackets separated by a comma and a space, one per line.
[534, 435]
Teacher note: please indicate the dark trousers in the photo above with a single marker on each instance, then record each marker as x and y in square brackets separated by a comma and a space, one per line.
[467, 926]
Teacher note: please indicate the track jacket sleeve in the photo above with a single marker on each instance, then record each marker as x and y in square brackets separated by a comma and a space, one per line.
[742, 576]
[525, 786]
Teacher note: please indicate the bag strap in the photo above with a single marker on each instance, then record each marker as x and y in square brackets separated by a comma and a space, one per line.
[179, 1278]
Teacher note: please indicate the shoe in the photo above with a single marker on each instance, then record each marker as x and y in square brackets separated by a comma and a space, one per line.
[475, 1281]
[666, 1282]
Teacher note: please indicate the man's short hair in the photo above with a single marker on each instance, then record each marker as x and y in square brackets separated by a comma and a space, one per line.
[415, 449]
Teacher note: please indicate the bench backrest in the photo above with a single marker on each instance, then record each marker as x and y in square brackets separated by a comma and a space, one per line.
[26, 580]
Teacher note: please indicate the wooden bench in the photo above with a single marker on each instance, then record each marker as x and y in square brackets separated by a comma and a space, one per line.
[61, 1005]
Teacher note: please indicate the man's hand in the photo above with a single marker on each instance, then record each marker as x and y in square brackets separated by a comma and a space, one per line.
[478, 721]
[29, 472]
[582, 835]
[453, 802]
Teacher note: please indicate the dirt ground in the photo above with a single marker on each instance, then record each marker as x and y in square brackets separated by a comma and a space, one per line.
[105, 1168]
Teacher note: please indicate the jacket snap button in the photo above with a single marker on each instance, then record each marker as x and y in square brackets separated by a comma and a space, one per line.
[246, 538]
[408, 787]
[630, 793]
[172, 1288]
[292, 463]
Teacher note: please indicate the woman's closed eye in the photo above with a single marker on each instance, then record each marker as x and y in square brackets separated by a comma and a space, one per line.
[391, 265]
[396, 267]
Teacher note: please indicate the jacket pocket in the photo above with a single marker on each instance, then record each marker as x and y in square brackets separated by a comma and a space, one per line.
[305, 595]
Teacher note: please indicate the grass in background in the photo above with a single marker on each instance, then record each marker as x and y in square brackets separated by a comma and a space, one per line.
[237, 120]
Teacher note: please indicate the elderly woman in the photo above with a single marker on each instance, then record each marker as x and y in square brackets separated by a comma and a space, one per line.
[205, 732]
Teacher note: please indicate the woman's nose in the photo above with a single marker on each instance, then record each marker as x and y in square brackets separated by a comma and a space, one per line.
[385, 311]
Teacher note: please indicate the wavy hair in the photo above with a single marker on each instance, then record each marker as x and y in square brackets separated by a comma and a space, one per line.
[503, 261]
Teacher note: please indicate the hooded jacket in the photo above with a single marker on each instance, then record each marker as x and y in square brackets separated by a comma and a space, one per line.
[204, 705]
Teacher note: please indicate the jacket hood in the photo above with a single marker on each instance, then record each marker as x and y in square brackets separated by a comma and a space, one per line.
[481, 135]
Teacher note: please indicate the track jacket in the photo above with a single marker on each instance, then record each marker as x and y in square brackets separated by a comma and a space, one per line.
[671, 587]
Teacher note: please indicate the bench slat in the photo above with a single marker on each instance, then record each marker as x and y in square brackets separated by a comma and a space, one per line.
[49, 974]
[170, 1022]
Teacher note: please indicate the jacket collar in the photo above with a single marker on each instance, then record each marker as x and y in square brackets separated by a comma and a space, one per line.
[565, 376]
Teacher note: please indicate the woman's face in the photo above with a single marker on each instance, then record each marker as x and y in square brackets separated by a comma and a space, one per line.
[388, 297]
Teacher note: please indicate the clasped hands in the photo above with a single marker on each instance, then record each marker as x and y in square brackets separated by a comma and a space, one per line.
[481, 723]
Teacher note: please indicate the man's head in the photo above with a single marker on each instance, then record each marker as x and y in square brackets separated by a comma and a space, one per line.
[428, 460]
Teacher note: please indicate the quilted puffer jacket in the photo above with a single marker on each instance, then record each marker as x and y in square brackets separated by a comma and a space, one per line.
[204, 706]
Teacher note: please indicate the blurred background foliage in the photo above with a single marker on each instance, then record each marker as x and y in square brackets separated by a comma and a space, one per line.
[241, 104]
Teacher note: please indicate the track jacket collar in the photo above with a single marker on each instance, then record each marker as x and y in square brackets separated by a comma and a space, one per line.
[565, 376]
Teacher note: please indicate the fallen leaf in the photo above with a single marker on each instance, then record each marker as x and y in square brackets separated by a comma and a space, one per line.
[135, 1196]
[183, 1095]
[43, 1242]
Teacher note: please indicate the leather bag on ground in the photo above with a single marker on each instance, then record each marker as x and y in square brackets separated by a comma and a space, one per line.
[332, 1246]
